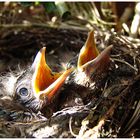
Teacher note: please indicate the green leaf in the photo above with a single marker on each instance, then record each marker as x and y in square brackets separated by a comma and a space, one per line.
[50, 7]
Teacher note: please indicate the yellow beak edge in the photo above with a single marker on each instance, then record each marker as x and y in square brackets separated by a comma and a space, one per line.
[44, 81]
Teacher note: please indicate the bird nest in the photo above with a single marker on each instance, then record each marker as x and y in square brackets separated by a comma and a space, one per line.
[112, 109]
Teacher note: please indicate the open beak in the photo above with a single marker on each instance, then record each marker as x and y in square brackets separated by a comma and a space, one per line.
[88, 51]
[44, 81]
[90, 59]
[100, 63]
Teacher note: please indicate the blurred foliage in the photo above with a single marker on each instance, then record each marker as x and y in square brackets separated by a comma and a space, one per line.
[106, 15]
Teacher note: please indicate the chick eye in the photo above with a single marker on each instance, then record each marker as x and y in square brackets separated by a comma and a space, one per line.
[23, 91]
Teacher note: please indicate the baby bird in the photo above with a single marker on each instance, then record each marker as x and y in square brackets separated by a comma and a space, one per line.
[91, 68]
[34, 88]
[91, 65]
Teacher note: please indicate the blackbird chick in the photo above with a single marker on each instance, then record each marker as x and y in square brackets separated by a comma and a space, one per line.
[91, 64]
[31, 90]
[24, 93]
[36, 87]
[91, 68]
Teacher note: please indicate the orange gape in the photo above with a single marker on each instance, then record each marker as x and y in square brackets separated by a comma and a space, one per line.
[57, 84]
[43, 76]
[46, 83]
[90, 60]
[89, 50]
